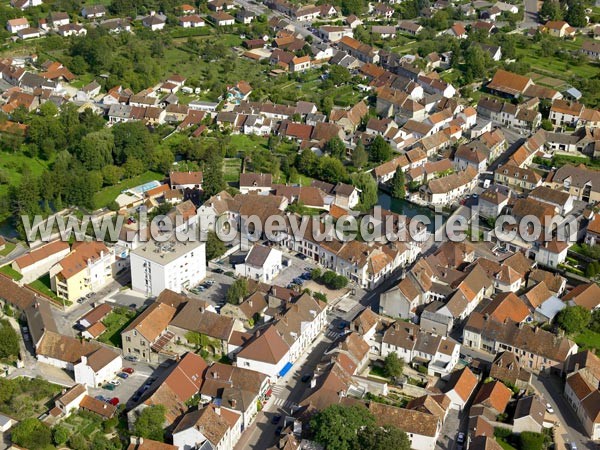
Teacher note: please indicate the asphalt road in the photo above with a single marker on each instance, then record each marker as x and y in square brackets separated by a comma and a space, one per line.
[530, 16]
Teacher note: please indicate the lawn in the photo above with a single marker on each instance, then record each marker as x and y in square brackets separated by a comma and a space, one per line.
[42, 285]
[245, 142]
[106, 195]
[231, 169]
[8, 270]
[588, 339]
[9, 247]
[116, 322]
[505, 445]
[23, 398]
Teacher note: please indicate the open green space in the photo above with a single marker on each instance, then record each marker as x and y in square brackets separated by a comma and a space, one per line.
[9, 247]
[588, 339]
[8, 270]
[106, 195]
[115, 322]
[231, 169]
[42, 284]
[22, 398]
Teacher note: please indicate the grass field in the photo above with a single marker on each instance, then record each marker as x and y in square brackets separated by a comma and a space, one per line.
[42, 284]
[244, 142]
[8, 270]
[116, 322]
[106, 195]
[505, 445]
[588, 339]
[231, 169]
[26, 397]
[9, 247]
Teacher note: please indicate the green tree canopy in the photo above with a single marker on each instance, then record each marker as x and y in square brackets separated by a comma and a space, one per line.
[379, 150]
[383, 438]
[213, 181]
[237, 291]
[359, 155]
[9, 340]
[32, 434]
[399, 184]
[336, 427]
[573, 319]
[336, 147]
[150, 423]
[215, 247]
[392, 365]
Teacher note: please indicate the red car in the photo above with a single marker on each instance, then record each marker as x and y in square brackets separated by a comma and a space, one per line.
[128, 370]
[114, 401]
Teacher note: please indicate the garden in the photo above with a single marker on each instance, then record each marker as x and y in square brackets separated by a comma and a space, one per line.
[115, 322]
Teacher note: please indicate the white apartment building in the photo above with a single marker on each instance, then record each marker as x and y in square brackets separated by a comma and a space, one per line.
[174, 265]
[96, 369]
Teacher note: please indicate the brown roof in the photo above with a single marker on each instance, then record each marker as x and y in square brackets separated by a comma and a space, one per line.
[258, 255]
[506, 368]
[410, 421]
[579, 385]
[507, 306]
[71, 394]
[538, 294]
[463, 382]
[186, 178]
[99, 407]
[97, 314]
[64, 348]
[19, 297]
[41, 253]
[194, 317]
[484, 443]
[267, 346]
[531, 406]
[436, 405]
[508, 82]
[493, 395]
[81, 253]
[96, 329]
[100, 358]
[585, 295]
[153, 321]
[171, 298]
[214, 426]
[255, 179]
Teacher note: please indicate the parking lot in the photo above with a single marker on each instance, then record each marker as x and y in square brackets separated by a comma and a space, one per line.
[296, 267]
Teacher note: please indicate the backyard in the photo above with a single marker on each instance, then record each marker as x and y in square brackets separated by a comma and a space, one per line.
[42, 285]
[106, 195]
[22, 398]
[115, 323]
[12, 273]
[588, 339]
[87, 430]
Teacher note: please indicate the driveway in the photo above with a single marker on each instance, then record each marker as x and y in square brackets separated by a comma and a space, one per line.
[551, 388]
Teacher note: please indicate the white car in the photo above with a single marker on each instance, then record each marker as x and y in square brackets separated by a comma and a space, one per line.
[549, 408]
[115, 382]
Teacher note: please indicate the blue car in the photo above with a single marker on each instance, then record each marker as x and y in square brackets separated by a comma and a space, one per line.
[102, 398]
[123, 375]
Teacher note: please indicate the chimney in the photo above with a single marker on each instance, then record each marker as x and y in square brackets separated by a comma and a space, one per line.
[233, 402]
[218, 410]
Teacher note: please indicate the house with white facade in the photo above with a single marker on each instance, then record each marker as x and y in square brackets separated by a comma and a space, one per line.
[460, 387]
[447, 190]
[262, 263]
[38, 262]
[208, 427]
[97, 368]
[266, 353]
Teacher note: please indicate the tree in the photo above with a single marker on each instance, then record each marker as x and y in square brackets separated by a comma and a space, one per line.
[336, 427]
[383, 438]
[237, 291]
[576, 15]
[215, 247]
[573, 319]
[547, 125]
[332, 170]
[213, 181]
[32, 434]
[392, 365]
[96, 149]
[359, 155]
[379, 150]
[112, 174]
[528, 440]
[150, 423]
[551, 10]
[60, 435]
[475, 63]
[398, 184]
[368, 187]
[9, 340]
[339, 75]
[336, 147]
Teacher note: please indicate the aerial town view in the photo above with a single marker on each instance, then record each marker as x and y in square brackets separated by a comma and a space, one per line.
[300, 224]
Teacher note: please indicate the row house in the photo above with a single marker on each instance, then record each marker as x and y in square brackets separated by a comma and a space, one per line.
[363, 52]
[516, 178]
[449, 189]
[439, 354]
[513, 116]
[210, 426]
[580, 182]
[539, 350]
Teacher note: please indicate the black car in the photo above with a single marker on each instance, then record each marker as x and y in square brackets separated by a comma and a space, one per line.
[279, 430]
[218, 270]
[306, 377]
[301, 256]
[276, 418]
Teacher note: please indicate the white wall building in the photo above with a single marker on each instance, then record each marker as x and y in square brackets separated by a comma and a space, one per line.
[98, 368]
[172, 265]
[261, 264]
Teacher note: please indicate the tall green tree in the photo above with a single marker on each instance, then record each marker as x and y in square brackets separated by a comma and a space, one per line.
[383, 438]
[368, 187]
[379, 150]
[551, 10]
[336, 427]
[336, 148]
[399, 184]
[9, 340]
[213, 181]
[392, 365]
[576, 15]
[150, 423]
[215, 247]
[360, 157]
[237, 291]
[96, 149]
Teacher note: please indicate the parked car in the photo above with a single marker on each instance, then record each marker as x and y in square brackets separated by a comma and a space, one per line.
[80, 300]
[218, 270]
[131, 358]
[306, 377]
[276, 418]
[549, 408]
[123, 375]
[102, 398]
[573, 446]
[136, 396]
[305, 276]
[460, 439]
[128, 370]
[114, 382]
[109, 387]
[301, 256]
[114, 401]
